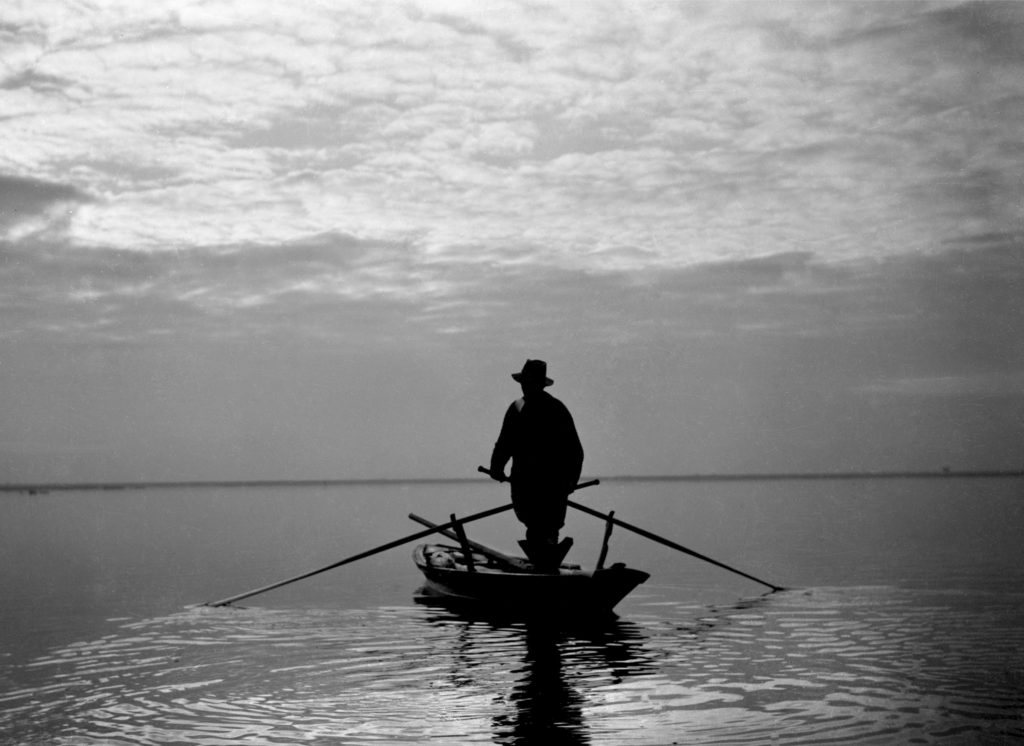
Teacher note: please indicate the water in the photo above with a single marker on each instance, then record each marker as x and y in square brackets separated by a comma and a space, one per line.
[904, 622]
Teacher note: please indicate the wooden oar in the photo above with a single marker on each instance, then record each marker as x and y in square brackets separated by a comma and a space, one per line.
[361, 555]
[672, 544]
[580, 486]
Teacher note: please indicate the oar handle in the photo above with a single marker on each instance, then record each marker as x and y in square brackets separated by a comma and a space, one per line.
[580, 486]
[485, 470]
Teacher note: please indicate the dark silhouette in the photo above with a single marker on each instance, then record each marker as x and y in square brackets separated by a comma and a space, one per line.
[546, 708]
[539, 436]
[561, 668]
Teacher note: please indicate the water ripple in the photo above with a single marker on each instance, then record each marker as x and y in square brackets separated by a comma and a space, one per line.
[844, 665]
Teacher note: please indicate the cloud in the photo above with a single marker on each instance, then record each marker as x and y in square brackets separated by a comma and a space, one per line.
[316, 287]
[501, 140]
[779, 204]
[462, 93]
[956, 313]
[29, 206]
[992, 31]
[689, 142]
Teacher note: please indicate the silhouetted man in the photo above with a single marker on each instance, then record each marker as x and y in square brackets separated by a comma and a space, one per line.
[538, 434]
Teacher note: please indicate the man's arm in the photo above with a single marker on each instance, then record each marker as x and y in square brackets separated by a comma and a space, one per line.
[503, 446]
[575, 451]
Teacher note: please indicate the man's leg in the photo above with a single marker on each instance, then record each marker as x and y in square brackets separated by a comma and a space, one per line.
[546, 520]
[541, 535]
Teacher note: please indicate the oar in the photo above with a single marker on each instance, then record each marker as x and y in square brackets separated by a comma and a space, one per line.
[362, 555]
[672, 544]
[580, 486]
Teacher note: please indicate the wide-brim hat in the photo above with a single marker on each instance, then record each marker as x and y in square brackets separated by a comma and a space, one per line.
[533, 371]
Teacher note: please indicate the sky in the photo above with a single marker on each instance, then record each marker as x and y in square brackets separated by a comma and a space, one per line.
[312, 240]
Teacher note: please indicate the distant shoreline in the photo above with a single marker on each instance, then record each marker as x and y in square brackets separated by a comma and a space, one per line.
[42, 488]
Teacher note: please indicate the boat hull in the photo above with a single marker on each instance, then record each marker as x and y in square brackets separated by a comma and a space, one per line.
[569, 589]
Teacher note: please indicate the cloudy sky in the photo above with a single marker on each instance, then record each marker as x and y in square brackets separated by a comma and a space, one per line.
[254, 240]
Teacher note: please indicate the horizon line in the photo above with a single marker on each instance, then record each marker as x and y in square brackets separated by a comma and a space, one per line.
[39, 487]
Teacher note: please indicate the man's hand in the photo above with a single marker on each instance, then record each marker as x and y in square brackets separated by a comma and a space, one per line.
[498, 475]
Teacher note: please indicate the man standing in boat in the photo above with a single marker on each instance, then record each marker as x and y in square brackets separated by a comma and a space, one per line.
[539, 436]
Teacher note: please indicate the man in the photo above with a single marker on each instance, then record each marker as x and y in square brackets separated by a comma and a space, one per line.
[539, 435]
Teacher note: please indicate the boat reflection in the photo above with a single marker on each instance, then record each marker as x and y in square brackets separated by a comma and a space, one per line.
[541, 672]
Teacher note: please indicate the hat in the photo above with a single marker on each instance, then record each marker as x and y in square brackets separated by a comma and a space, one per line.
[533, 370]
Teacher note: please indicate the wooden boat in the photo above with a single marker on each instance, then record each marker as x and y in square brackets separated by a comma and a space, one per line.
[472, 572]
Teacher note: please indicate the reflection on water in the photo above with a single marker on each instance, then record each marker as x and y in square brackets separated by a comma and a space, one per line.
[557, 664]
[543, 706]
[209, 676]
[839, 665]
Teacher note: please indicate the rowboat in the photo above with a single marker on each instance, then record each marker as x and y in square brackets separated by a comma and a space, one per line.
[567, 588]
[474, 573]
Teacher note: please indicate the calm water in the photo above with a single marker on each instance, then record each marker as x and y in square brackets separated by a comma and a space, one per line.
[905, 622]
